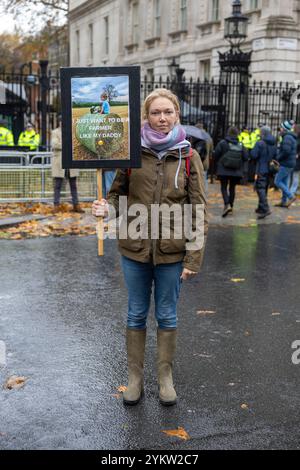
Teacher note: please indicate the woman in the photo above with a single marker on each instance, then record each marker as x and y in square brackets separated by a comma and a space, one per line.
[230, 156]
[170, 174]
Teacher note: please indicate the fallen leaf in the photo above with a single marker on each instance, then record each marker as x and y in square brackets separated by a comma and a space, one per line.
[15, 382]
[275, 313]
[204, 313]
[237, 279]
[247, 333]
[180, 432]
[244, 406]
[116, 395]
[16, 237]
[122, 388]
[231, 384]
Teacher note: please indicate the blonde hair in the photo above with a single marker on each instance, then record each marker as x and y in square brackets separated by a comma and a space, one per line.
[159, 93]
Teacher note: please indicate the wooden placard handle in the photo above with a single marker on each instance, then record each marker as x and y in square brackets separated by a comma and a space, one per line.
[100, 228]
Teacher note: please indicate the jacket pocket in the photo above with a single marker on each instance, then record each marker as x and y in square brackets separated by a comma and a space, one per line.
[130, 244]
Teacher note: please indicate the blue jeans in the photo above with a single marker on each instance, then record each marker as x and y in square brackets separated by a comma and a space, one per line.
[294, 182]
[282, 181]
[107, 180]
[139, 278]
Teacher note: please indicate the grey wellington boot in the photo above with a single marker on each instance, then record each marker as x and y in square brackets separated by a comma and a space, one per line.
[135, 342]
[166, 347]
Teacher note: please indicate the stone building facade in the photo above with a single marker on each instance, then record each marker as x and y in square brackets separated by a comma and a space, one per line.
[152, 33]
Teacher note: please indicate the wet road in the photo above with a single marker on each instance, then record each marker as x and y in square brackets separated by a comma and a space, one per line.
[62, 319]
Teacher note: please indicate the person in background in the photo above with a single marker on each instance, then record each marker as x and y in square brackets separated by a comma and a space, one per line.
[245, 138]
[163, 261]
[263, 152]
[6, 136]
[294, 177]
[29, 137]
[230, 157]
[58, 173]
[287, 159]
[255, 135]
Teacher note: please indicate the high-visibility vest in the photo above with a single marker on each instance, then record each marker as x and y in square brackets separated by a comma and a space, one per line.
[6, 136]
[255, 137]
[245, 139]
[29, 139]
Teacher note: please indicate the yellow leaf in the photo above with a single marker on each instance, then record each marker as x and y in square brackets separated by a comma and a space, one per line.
[180, 432]
[15, 382]
[116, 395]
[237, 279]
[122, 388]
[244, 406]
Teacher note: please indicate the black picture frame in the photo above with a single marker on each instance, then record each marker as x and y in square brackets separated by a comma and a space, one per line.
[83, 158]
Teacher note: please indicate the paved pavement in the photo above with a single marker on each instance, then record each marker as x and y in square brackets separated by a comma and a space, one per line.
[63, 312]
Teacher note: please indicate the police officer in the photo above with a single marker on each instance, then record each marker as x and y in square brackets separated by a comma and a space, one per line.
[256, 134]
[6, 136]
[29, 138]
[245, 138]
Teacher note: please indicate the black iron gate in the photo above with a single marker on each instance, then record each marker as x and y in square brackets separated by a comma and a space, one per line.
[35, 96]
[30, 95]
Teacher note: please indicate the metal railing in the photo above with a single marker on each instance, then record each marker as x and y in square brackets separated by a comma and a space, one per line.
[29, 178]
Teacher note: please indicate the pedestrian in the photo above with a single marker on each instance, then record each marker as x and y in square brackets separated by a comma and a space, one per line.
[59, 174]
[230, 156]
[171, 173]
[294, 177]
[29, 137]
[287, 159]
[263, 152]
[6, 136]
[245, 138]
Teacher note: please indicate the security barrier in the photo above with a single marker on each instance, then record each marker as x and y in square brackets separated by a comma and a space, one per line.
[27, 177]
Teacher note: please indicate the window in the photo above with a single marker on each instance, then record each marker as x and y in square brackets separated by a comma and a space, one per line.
[183, 15]
[91, 42]
[253, 4]
[157, 22]
[215, 10]
[77, 34]
[150, 75]
[135, 23]
[205, 67]
[106, 35]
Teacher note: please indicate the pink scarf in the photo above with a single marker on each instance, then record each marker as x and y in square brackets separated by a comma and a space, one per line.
[159, 141]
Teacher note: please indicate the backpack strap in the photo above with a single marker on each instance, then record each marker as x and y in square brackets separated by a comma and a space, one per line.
[188, 162]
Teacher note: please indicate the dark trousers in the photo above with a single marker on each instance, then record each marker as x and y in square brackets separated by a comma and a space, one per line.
[228, 196]
[262, 185]
[57, 189]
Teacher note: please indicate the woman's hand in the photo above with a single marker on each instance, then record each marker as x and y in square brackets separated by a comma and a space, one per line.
[186, 274]
[100, 208]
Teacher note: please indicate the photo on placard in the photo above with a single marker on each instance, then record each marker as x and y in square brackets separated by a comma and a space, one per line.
[101, 117]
